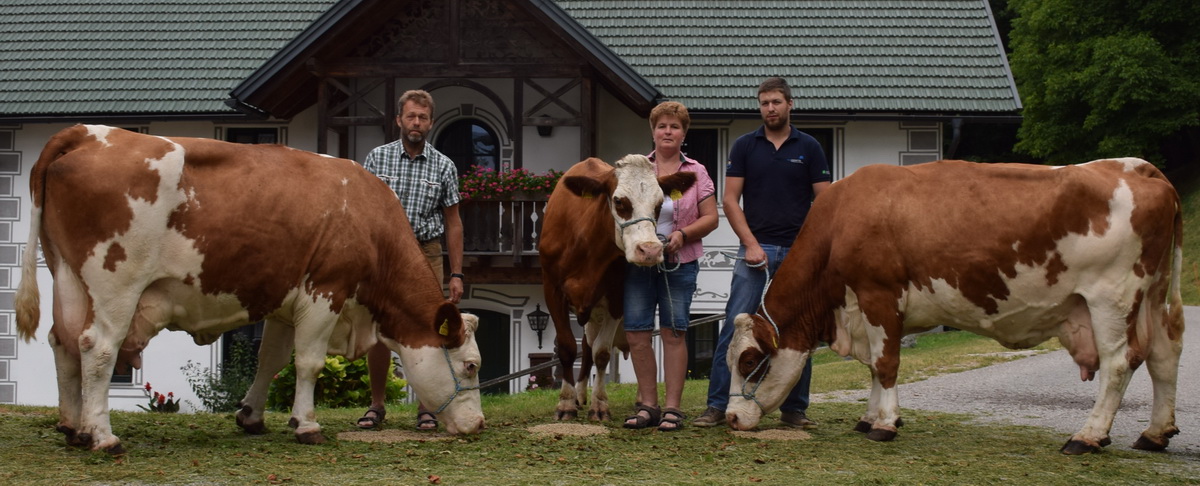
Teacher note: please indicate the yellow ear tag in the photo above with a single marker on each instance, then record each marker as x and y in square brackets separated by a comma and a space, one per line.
[587, 194]
[676, 195]
[445, 329]
[774, 342]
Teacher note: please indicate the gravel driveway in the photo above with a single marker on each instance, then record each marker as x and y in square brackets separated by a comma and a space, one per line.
[1045, 390]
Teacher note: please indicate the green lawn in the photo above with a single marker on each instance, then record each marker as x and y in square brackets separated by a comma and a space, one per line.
[933, 448]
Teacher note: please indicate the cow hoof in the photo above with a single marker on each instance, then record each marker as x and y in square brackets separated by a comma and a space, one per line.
[881, 435]
[1077, 447]
[117, 450]
[311, 438]
[863, 426]
[565, 415]
[82, 439]
[899, 422]
[1147, 444]
[73, 439]
[599, 415]
[293, 423]
[258, 428]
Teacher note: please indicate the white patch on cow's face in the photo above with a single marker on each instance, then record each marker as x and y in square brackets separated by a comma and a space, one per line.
[750, 400]
[637, 186]
[100, 132]
[432, 378]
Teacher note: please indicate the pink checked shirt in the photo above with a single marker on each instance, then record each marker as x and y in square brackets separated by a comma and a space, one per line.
[687, 208]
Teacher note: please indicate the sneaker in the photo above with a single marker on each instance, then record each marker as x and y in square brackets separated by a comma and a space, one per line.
[797, 419]
[710, 418]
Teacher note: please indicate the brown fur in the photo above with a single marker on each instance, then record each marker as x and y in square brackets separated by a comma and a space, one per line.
[265, 218]
[885, 229]
[581, 263]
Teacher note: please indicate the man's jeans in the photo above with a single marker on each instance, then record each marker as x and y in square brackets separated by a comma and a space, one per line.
[745, 295]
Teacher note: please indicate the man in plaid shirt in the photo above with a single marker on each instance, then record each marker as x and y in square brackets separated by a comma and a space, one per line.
[426, 181]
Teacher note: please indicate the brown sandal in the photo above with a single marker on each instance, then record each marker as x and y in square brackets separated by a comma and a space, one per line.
[370, 422]
[425, 419]
[640, 422]
[673, 416]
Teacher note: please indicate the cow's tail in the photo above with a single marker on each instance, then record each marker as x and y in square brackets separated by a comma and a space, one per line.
[27, 302]
[1174, 299]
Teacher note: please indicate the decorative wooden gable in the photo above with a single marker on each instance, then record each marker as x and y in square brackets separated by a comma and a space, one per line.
[453, 42]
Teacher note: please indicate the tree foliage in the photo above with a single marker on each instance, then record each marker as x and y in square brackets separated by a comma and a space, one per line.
[1105, 78]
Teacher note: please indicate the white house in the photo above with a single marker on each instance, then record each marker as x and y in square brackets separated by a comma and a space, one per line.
[538, 84]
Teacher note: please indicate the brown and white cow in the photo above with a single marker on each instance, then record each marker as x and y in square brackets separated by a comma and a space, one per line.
[598, 217]
[1089, 254]
[146, 233]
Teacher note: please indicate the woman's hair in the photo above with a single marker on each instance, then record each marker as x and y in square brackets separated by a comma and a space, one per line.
[670, 108]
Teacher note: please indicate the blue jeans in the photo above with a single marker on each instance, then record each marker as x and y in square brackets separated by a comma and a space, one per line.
[648, 288]
[745, 295]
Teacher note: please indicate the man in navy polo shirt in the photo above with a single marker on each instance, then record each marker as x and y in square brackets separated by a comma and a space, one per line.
[775, 171]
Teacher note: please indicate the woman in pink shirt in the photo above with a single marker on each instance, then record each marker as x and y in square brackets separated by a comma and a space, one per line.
[685, 219]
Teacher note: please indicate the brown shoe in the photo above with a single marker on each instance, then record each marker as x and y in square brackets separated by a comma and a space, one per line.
[797, 419]
[710, 418]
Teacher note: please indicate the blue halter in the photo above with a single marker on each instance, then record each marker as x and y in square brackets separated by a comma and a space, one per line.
[458, 388]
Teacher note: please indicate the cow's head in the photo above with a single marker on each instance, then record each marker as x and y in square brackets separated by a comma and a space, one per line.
[446, 378]
[635, 197]
[761, 373]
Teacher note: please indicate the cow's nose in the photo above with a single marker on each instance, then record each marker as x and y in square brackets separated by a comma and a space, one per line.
[649, 252]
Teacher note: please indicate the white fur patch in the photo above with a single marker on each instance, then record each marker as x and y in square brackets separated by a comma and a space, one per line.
[636, 181]
[100, 132]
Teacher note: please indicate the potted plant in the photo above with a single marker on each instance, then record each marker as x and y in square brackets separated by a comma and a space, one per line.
[486, 184]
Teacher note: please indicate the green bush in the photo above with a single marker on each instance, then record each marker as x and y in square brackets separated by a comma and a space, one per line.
[220, 390]
[342, 383]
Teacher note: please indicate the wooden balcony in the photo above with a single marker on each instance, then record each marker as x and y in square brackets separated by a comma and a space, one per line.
[500, 240]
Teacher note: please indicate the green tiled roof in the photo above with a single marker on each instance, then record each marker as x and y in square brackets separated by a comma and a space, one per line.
[117, 57]
[839, 55]
[183, 57]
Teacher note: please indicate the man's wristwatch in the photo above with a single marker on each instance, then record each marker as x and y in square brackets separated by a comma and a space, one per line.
[458, 276]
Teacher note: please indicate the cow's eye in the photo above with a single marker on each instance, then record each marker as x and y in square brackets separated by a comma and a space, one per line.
[622, 206]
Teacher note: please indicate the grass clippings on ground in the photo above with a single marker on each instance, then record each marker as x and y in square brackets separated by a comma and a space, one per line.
[773, 434]
[559, 429]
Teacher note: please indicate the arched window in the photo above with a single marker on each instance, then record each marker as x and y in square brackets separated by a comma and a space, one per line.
[470, 144]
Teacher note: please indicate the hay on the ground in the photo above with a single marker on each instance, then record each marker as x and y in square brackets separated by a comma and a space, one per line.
[773, 434]
[568, 429]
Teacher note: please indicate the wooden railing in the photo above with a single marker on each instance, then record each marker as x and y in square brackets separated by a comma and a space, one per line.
[502, 227]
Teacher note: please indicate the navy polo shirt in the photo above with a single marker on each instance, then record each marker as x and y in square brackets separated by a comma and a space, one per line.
[778, 191]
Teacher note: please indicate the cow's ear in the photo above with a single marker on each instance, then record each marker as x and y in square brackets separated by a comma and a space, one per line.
[755, 325]
[679, 181]
[471, 321]
[744, 323]
[449, 325]
[586, 187]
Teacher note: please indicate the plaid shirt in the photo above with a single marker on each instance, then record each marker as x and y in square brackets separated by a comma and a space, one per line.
[425, 185]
